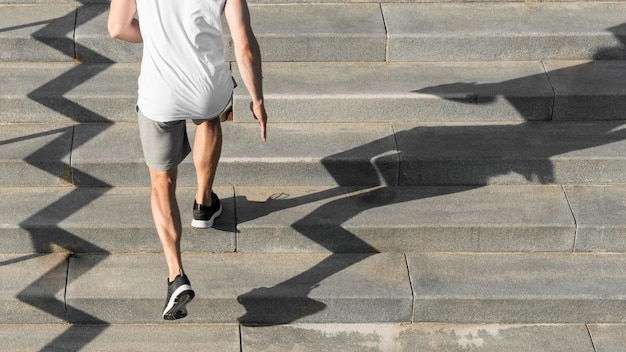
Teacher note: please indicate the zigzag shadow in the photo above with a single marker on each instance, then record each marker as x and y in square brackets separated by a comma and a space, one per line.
[515, 151]
[51, 95]
[259, 305]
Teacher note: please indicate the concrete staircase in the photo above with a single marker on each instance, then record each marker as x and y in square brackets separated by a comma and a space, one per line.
[437, 176]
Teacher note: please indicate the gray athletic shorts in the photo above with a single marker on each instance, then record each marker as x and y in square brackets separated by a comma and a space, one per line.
[166, 144]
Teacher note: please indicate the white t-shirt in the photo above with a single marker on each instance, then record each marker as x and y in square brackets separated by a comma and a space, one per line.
[183, 71]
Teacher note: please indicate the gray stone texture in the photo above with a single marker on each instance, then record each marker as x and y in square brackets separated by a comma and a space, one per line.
[249, 288]
[37, 33]
[608, 337]
[105, 220]
[518, 288]
[348, 32]
[343, 219]
[588, 91]
[93, 43]
[107, 154]
[309, 154]
[308, 32]
[439, 92]
[67, 92]
[404, 219]
[332, 154]
[35, 154]
[600, 217]
[317, 32]
[512, 31]
[32, 290]
[524, 153]
[394, 92]
[416, 337]
[312, 337]
[123, 337]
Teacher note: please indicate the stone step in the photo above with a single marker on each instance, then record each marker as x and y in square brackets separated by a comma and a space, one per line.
[340, 92]
[433, 337]
[348, 32]
[438, 92]
[121, 337]
[315, 337]
[283, 288]
[351, 154]
[542, 218]
[231, 287]
[500, 287]
[509, 31]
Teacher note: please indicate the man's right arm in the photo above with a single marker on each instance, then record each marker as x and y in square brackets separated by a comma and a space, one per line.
[122, 23]
[248, 56]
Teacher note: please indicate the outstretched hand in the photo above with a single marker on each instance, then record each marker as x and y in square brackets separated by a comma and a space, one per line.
[258, 111]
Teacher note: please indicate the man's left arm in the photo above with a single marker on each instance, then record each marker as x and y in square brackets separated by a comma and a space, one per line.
[122, 23]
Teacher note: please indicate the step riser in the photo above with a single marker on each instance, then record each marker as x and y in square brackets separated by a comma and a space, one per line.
[305, 108]
[351, 32]
[339, 220]
[434, 32]
[489, 288]
[344, 155]
[341, 92]
[441, 92]
[103, 337]
[316, 337]
[320, 288]
[232, 296]
[431, 337]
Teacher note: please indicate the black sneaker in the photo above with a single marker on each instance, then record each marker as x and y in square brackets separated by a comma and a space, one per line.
[179, 293]
[203, 217]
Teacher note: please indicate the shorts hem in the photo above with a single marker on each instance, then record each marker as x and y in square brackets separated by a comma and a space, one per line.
[166, 167]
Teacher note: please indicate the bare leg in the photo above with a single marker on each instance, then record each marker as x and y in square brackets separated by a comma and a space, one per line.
[207, 148]
[166, 217]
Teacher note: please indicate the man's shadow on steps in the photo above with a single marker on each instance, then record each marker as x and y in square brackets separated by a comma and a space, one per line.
[577, 93]
[518, 160]
[430, 156]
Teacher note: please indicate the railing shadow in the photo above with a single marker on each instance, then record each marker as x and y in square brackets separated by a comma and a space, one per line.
[516, 150]
[51, 95]
[376, 187]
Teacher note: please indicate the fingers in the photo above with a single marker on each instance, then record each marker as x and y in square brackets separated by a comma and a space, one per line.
[263, 135]
[258, 112]
[262, 125]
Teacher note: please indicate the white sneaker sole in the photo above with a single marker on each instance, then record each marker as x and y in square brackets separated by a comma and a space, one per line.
[205, 224]
[176, 306]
